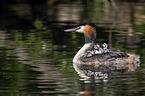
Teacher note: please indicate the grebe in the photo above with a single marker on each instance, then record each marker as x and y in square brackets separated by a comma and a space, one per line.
[91, 53]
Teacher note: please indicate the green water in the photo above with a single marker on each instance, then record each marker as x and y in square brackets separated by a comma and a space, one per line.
[36, 54]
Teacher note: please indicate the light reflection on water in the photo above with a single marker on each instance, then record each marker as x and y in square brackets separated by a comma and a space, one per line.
[100, 75]
[38, 61]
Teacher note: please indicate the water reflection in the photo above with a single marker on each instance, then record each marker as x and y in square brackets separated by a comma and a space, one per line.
[93, 74]
[36, 54]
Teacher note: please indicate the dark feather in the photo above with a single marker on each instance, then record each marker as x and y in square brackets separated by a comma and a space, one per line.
[114, 54]
[92, 24]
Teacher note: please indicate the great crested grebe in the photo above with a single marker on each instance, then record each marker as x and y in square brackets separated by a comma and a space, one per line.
[91, 53]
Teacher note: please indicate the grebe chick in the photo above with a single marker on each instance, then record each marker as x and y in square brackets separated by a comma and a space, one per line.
[99, 55]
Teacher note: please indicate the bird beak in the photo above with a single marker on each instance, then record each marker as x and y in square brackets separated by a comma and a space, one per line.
[69, 30]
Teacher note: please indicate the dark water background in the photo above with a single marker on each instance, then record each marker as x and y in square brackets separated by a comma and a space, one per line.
[36, 54]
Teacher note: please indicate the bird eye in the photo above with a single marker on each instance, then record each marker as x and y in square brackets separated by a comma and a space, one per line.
[78, 27]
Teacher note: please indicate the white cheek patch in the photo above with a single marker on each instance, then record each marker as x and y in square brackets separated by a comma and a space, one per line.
[81, 30]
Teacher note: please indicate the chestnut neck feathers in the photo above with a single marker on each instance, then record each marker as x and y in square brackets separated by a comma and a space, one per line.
[89, 34]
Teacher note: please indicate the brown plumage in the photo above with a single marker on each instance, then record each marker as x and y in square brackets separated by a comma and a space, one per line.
[88, 30]
[89, 33]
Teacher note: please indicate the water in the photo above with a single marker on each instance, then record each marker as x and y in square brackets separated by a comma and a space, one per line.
[36, 54]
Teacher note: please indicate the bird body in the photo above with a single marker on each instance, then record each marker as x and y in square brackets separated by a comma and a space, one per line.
[92, 53]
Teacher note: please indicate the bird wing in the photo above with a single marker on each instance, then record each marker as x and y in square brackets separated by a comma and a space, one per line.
[111, 55]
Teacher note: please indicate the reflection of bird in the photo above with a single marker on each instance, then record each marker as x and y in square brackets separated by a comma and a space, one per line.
[99, 54]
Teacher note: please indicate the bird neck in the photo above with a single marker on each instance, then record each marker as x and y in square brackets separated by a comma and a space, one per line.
[83, 50]
[90, 34]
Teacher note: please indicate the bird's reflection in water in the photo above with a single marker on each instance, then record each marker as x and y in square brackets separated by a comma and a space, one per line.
[93, 74]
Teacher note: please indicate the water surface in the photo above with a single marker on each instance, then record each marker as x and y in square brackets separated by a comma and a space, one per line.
[36, 54]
